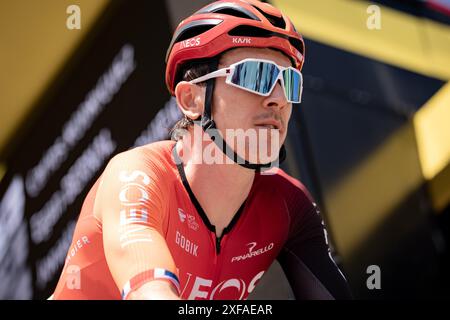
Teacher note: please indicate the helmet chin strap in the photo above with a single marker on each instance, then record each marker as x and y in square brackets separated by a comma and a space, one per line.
[207, 123]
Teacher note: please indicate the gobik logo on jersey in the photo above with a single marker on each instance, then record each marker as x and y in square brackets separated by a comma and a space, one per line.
[251, 253]
[230, 289]
[186, 244]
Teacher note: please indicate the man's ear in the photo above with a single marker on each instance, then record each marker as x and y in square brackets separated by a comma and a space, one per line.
[190, 99]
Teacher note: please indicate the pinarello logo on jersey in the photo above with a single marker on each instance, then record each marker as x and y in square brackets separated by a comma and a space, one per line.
[253, 253]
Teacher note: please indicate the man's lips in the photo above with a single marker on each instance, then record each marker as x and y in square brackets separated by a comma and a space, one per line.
[270, 123]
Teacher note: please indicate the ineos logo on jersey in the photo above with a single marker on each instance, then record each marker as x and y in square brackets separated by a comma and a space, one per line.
[239, 284]
[201, 286]
[128, 192]
[252, 253]
[242, 40]
[131, 188]
[186, 244]
[190, 43]
[125, 177]
[134, 219]
[133, 216]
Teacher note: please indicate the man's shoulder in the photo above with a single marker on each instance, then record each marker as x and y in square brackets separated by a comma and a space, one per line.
[287, 185]
[152, 152]
[153, 160]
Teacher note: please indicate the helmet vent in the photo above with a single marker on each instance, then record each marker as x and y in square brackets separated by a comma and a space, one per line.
[297, 44]
[193, 31]
[229, 8]
[275, 21]
[233, 12]
[251, 31]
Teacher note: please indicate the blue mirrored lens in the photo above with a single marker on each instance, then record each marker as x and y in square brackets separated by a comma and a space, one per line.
[292, 85]
[255, 76]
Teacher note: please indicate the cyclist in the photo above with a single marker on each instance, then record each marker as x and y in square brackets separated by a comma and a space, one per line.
[163, 223]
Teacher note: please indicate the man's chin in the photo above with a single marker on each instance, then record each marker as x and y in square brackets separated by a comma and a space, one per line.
[261, 157]
[262, 150]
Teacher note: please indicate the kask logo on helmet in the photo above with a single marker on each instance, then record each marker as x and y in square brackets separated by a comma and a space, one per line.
[242, 40]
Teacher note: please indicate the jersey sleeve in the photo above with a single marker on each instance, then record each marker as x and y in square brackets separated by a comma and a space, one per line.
[306, 257]
[132, 203]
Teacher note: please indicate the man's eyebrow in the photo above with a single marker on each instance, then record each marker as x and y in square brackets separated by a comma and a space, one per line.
[222, 63]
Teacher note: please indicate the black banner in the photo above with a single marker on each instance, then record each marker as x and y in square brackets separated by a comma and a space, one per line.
[112, 98]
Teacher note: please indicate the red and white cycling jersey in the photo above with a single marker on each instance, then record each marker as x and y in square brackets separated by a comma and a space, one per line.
[151, 192]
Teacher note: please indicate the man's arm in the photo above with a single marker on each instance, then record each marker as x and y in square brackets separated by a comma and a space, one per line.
[130, 204]
[307, 263]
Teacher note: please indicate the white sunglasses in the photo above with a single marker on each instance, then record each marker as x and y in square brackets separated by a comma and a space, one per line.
[260, 76]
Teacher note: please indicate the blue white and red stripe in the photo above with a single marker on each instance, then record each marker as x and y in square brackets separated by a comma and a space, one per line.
[153, 274]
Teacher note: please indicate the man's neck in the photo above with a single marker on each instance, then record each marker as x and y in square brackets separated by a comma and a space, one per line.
[220, 188]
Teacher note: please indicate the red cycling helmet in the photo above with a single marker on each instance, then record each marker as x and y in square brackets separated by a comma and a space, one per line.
[228, 24]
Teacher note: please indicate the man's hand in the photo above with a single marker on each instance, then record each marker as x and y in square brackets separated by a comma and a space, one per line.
[154, 290]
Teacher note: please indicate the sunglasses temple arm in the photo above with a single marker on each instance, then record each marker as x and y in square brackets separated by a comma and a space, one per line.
[215, 74]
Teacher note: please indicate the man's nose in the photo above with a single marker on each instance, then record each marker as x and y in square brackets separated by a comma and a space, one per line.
[277, 98]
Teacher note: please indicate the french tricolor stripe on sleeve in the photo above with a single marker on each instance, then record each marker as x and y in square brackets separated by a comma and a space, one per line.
[154, 274]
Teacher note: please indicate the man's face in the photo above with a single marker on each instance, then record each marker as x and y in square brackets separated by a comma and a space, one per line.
[234, 108]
